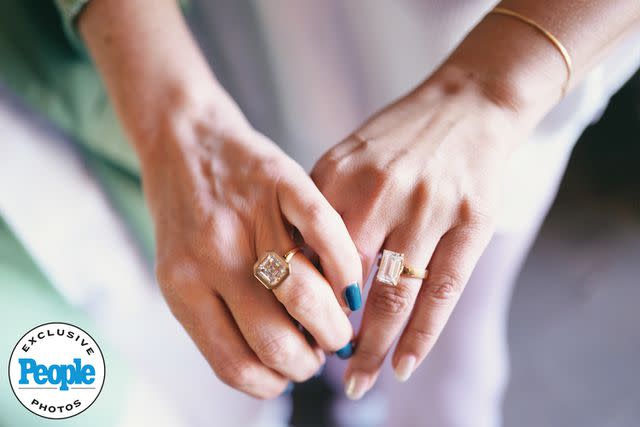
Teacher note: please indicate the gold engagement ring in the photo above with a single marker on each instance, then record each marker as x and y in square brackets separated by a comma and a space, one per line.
[271, 269]
[392, 266]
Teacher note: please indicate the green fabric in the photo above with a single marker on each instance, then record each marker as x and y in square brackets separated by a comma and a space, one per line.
[39, 63]
[27, 299]
[70, 10]
[125, 192]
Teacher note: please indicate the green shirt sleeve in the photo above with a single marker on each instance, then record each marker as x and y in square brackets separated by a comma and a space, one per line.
[70, 10]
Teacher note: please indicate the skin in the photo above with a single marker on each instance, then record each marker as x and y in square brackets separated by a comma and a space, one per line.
[221, 194]
[422, 177]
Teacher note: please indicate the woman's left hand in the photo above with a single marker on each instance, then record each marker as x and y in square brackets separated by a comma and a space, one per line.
[422, 178]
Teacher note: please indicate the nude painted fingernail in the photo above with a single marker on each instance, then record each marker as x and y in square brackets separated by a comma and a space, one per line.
[404, 368]
[356, 386]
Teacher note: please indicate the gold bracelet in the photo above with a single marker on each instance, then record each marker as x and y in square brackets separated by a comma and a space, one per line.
[553, 39]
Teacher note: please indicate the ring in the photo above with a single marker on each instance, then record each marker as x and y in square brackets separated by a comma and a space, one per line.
[271, 269]
[392, 266]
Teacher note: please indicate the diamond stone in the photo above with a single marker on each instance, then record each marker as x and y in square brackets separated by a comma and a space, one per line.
[390, 268]
[271, 270]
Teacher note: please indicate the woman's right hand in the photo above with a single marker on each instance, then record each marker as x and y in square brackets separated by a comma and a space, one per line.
[221, 195]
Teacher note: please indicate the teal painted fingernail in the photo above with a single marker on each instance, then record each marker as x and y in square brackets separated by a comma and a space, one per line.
[346, 351]
[353, 297]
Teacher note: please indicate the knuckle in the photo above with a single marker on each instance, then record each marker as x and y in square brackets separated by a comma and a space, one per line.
[277, 351]
[175, 270]
[382, 179]
[300, 303]
[168, 274]
[329, 162]
[319, 176]
[174, 277]
[385, 177]
[422, 195]
[377, 176]
[472, 214]
[421, 336]
[270, 169]
[443, 288]
[315, 214]
[237, 374]
[329, 169]
[369, 360]
[392, 300]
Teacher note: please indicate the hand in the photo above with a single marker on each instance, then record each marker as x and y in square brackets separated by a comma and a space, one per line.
[220, 196]
[423, 178]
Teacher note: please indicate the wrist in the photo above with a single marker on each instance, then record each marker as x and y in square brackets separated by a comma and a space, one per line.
[185, 114]
[498, 124]
[515, 66]
[157, 79]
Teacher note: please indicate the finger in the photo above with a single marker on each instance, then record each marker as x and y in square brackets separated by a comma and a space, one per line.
[305, 293]
[210, 325]
[449, 270]
[305, 207]
[368, 234]
[310, 300]
[270, 332]
[388, 308]
[367, 228]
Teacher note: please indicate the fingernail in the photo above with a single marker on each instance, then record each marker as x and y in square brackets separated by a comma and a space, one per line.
[320, 353]
[405, 367]
[320, 371]
[353, 297]
[356, 386]
[346, 351]
[288, 390]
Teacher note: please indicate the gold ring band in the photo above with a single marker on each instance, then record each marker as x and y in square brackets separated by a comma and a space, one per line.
[392, 266]
[414, 272]
[289, 255]
[271, 269]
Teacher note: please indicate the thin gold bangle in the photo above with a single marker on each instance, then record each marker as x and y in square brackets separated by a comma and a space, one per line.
[553, 39]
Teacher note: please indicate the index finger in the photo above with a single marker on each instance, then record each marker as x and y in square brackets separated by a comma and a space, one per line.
[322, 228]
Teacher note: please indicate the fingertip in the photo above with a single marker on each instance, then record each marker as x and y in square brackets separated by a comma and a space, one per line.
[405, 367]
[356, 385]
[320, 354]
[319, 372]
[353, 296]
[347, 351]
[288, 389]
